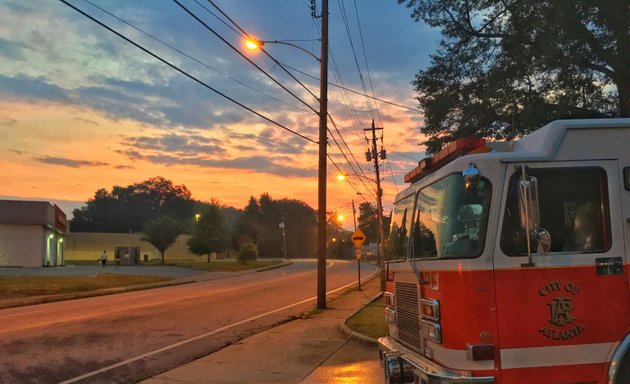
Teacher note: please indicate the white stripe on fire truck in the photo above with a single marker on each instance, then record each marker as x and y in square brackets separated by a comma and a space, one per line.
[456, 358]
[555, 356]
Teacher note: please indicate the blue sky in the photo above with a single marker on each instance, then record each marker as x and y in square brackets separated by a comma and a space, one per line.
[82, 109]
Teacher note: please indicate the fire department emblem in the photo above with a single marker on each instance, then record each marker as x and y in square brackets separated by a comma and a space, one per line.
[564, 325]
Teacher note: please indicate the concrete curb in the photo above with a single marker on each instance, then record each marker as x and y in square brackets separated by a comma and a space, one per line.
[361, 338]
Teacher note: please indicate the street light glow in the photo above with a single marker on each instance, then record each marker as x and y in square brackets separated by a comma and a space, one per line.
[253, 44]
[340, 217]
[341, 177]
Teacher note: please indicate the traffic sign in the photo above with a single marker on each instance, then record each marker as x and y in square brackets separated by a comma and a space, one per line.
[358, 253]
[358, 238]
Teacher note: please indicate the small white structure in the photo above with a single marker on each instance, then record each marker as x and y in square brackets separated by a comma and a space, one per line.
[31, 233]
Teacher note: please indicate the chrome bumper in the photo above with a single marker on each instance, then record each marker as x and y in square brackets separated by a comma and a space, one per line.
[401, 365]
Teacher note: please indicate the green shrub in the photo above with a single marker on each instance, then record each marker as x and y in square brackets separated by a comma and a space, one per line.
[247, 252]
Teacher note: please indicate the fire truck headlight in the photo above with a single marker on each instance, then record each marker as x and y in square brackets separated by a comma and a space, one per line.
[430, 309]
[432, 331]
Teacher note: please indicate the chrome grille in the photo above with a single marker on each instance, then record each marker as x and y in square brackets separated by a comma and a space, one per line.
[407, 314]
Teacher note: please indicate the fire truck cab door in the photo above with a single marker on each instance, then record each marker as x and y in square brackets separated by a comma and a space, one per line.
[560, 317]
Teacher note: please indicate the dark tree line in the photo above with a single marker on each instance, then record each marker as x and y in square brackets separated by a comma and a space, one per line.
[161, 211]
[505, 68]
[260, 224]
[130, 208]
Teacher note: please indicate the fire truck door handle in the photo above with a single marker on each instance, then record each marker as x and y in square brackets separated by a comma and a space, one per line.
[609, 266]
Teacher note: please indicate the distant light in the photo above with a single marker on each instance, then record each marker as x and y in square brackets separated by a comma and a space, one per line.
[340, 217]
[51, 236]
[252, 44]
[61, 240]
[197, 216]
[341, 177]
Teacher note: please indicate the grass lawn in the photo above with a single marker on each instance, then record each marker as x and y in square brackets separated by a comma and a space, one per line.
[24, 286]
[370, 321]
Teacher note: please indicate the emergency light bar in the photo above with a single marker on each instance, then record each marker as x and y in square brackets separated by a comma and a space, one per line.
[450, 152]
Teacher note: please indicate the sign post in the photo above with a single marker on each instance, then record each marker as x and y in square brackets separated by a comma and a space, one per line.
[358, 238]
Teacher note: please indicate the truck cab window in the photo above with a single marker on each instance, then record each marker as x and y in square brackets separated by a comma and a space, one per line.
[573, 209]
[450, 221]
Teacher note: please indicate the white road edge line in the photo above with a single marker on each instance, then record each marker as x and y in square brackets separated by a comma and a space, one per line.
[179, 344]
[19, 314]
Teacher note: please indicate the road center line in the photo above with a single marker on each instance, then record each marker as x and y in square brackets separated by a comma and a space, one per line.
[184, 342]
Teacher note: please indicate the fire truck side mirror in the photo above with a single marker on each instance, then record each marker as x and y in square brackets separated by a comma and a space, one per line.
[528, 202]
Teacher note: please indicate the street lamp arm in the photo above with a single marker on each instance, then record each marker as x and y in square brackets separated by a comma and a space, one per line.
[295, 46]
[343, 176]
[255, 43]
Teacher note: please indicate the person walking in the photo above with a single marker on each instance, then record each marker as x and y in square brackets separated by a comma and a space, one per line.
[117, 261]
[103, 259]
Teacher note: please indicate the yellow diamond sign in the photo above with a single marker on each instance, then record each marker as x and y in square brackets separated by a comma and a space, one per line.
[358, 238]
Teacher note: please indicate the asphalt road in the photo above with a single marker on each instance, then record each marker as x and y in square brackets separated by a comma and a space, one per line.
[127, 337]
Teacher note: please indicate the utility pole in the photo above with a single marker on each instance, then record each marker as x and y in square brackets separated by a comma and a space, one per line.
[374, 154]
[321, 175]
[284, 236]
[358, 250]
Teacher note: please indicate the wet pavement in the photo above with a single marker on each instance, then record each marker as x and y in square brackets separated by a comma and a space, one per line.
[314, 349]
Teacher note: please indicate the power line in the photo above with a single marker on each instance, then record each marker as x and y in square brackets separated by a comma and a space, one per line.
[191, 57]
[355, 92]
[265, 52]
[184, 72]
[241, 54]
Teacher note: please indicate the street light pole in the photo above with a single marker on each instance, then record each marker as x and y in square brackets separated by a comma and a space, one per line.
[321, 176]
[251, 43]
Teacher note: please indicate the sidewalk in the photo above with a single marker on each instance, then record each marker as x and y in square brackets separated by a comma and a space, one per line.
[316, 349]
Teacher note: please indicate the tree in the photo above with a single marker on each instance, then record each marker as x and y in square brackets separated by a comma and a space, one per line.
[128, 209]
[247, 252]
[209, 233]
[260, 224]
[162, 233]
[506, 68]
[368, 222]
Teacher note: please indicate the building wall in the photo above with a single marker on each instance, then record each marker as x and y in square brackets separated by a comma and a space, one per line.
[89, 246]
[22, 245]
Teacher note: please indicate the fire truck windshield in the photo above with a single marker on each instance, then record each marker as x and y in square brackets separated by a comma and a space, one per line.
[449, 221]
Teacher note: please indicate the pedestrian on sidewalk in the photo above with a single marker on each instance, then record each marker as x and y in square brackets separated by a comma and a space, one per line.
[117, 261]
[103, 259]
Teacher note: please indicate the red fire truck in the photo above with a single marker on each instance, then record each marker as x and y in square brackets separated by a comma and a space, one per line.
[508, 262]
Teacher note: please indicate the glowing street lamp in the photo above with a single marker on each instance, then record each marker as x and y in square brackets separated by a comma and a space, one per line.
[252, 44]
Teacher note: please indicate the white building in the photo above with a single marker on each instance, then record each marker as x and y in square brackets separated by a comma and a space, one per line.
[31, 234]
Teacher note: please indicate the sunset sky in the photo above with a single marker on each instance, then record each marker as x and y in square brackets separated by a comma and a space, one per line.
[82, 109]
